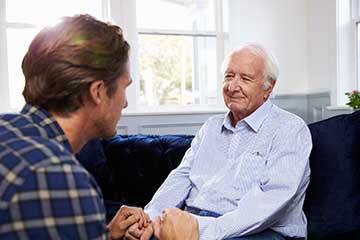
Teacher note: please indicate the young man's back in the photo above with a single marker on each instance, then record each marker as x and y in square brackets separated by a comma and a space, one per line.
[44, 191]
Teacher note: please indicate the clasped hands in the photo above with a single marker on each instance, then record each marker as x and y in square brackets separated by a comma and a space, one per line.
[134, 224]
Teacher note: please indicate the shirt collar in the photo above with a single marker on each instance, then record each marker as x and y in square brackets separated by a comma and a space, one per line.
[254, 120]
[45, 120]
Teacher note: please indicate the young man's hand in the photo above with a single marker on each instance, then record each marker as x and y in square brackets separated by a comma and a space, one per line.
[126, 217]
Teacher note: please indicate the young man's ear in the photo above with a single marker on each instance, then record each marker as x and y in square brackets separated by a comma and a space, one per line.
[96, 91]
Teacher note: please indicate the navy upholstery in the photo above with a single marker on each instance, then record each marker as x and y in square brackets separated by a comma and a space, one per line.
[332, 203]
[151, 158]
[130, 168]
[133, 182]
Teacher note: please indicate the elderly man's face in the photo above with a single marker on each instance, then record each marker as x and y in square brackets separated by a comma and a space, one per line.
[243, 84]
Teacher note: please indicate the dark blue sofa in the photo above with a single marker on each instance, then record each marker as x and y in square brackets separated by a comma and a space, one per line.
[130, 168]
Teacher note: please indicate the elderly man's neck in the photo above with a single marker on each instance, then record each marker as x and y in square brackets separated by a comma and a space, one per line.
[237, 117]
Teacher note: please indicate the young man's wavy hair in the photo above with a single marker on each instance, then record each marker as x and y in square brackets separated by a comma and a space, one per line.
[63, 60]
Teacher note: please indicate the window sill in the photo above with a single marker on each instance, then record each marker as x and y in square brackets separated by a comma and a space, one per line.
[175, 111]
[338, 108]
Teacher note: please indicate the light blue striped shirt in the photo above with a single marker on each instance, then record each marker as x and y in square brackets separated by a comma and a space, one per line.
[254, 175]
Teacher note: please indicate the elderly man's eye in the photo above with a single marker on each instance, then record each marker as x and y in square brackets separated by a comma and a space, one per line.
[246, 79]
[228, 77]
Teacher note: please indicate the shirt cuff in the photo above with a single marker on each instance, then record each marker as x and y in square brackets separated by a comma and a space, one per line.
[153, 213]
[207, 227]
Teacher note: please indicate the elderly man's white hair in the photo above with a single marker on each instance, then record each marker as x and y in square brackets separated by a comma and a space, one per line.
[271, 66]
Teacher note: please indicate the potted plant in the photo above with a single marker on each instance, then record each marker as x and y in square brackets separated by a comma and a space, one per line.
[354, 99]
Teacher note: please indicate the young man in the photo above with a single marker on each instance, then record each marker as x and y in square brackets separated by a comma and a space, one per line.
[76, 75]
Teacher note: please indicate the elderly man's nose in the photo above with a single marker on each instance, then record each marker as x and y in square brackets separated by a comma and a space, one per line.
[234, 86]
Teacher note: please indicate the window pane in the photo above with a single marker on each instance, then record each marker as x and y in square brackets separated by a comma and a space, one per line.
[18, 41]
[358, 54]
[177, 70]
[44, 12]
[198, 15]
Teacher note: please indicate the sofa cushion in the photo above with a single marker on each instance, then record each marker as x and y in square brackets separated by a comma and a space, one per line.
[332, 203]
[140, 163]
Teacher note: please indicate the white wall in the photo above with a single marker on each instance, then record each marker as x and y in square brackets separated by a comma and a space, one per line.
[279, 25]
[330, 63]
[321, 42]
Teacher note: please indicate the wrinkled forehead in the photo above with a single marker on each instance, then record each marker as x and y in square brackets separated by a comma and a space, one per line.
[244, 59]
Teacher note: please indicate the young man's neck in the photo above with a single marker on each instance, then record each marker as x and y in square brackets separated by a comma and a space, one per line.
[76, 129]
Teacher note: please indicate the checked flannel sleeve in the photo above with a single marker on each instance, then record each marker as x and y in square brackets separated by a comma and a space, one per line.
[57, 201]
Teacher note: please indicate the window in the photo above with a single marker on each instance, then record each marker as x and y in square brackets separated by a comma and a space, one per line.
[358, 52]
[176, 47]
[356, 16]
[19, 22]
[346, 52]
[178, 52]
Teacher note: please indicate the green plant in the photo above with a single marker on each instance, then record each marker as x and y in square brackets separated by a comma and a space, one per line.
[354, 99]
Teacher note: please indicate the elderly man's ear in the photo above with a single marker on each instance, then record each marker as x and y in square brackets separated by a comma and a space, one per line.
[269, 87]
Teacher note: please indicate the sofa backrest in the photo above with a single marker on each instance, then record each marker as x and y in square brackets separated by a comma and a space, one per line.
[332, 203]
[149, 160]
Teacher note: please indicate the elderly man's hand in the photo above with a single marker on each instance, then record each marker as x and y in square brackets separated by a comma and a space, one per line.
[176, 225]
[126, 217]
[134, 232]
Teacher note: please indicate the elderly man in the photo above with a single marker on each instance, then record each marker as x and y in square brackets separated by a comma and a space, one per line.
[245, 174]
[76, 75]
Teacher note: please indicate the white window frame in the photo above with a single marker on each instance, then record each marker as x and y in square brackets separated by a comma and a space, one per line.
[4, 85]
[122, 13]
[4, 82]
[346, 57]
[356, 22]
[5, 105]
[200, 84]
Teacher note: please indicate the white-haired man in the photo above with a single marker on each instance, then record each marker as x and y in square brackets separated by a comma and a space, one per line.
[246, 172]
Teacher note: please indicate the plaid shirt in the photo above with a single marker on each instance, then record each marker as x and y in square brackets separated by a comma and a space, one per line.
[44, 191]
